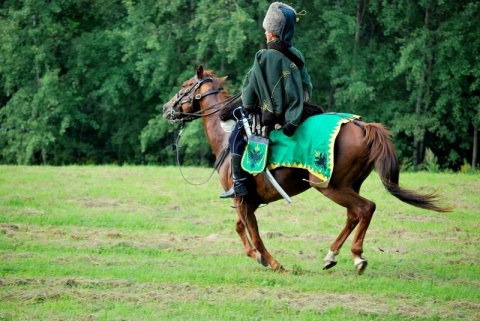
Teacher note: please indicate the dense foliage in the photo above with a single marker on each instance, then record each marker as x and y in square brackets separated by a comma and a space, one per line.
[84, 81]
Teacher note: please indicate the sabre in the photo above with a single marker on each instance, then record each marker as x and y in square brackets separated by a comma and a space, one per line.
[277, 186]
[268, 174]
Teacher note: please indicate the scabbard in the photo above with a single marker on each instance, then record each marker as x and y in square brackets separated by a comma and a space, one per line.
[277, 186]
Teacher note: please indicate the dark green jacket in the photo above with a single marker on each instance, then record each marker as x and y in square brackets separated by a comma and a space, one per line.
[276, 85]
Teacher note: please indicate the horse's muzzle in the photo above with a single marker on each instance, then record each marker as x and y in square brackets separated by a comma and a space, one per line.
[168, 112]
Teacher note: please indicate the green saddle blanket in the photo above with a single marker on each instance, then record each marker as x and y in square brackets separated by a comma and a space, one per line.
[310, 148]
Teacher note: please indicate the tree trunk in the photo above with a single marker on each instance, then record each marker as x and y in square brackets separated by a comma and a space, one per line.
[331, 97]
[475, 146]
[417, 132]
[360, 12]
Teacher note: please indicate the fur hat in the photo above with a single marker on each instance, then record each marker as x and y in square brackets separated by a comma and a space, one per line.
[280, 20]
[275, 18]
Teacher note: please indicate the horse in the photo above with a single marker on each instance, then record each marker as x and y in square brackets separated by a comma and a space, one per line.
[359, 148]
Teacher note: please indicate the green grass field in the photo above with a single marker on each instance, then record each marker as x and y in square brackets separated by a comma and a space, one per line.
[139, 243]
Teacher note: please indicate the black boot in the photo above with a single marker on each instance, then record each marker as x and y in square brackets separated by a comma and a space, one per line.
[239, 187]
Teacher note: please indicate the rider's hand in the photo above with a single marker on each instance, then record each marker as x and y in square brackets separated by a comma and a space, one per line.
[266, 131]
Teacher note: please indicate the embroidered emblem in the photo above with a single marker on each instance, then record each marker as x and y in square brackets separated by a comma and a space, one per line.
[265, 106]
[320, 160]
[255, 156]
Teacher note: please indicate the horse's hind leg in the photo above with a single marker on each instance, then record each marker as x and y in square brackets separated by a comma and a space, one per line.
[359, 214]
[256, 249]
[365, 215]
[330, 260]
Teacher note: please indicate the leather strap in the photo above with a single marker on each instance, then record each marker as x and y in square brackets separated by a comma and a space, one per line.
[284, 49]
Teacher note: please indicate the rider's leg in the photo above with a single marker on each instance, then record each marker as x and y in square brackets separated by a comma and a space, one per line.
[237, 147]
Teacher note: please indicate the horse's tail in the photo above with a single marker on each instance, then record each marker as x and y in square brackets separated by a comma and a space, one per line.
[382, 155]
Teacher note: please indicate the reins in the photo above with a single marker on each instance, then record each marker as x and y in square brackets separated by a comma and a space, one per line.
[216, 166]
[187, 117]
[176, 148]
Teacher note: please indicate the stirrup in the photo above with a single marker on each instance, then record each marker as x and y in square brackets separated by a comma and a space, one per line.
[228, 194]
[238, 190]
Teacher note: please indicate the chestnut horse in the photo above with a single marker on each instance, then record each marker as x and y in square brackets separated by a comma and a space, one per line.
[359, 148]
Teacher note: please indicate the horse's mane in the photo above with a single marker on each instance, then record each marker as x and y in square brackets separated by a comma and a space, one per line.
[209, 73]
[226, 112]
[217, 81]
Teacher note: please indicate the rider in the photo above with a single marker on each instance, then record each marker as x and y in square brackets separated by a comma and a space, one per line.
[276, 86]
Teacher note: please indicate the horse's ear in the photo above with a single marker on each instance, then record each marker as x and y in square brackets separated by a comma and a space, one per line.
[200, 72]
[222, 79]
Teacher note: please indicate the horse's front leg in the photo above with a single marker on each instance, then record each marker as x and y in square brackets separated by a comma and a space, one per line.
[257, 250]
[249, 249]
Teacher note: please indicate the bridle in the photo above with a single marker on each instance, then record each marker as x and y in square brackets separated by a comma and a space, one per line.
[190, 97]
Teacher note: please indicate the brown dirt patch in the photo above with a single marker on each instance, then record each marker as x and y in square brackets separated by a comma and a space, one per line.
[38, 290]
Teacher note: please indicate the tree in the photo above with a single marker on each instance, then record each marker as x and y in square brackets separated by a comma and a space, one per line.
[39, 105]
[84, 82]
[458, 103]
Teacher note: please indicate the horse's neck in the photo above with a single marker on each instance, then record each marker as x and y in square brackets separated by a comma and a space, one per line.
[217, 137]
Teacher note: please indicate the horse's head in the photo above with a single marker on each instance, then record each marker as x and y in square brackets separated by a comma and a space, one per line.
[186, 105]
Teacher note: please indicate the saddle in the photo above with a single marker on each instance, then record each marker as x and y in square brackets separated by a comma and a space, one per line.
[254, 159]
[310, 148]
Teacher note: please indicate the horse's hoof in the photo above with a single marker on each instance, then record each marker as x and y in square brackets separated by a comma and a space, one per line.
[329, 264]
[329, 261]
[360, 265]
[261, 260]
[282, 270]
